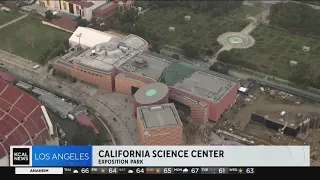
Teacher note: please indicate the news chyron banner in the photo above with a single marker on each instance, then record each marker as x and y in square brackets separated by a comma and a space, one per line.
[150, 156]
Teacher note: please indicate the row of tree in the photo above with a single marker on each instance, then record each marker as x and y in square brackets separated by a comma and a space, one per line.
[58, 48]
[297, 18]
[219, 7]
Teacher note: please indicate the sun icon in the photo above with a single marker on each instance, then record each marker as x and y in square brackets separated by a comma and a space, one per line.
[240, 171]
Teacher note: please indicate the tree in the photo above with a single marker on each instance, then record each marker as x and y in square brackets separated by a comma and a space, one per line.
[49, 15]
[220, 69]
[175, 56]
[30, 39]
[298, 18]
[209, 52]
[82, 22]
[190, 50]
[224, 56]
[54, 72]
[85, 135]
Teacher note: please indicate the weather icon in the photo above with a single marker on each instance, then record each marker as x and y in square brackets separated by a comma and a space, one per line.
[130, 171]
[75, 171]
[185, 170]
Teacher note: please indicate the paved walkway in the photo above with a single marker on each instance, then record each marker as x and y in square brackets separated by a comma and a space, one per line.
[13, 21]
[247, 30]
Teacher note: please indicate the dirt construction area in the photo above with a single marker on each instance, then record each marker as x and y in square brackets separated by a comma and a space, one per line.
[238, 120]
[236, 128]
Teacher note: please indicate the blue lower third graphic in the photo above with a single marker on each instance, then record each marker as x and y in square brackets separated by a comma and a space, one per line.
[53, 156]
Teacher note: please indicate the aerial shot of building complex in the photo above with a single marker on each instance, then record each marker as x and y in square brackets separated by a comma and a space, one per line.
[122, 72]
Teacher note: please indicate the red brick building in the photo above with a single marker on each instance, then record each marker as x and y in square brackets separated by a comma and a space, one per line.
[105, 10]
[159, 125]
[126, 66]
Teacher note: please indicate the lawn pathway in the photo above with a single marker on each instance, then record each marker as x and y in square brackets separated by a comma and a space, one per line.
[13, 21]
[247, 30]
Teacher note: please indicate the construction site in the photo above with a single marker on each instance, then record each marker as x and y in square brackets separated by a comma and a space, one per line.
[263, 116]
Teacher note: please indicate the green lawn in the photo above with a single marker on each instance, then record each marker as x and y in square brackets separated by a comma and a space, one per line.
[274, 48]
[245, 10]
[202, 30]
[16, 38]
[8, 16]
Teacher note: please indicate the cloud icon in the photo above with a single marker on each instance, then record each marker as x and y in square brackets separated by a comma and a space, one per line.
[75, 171]
[185, 170]
[130, 171]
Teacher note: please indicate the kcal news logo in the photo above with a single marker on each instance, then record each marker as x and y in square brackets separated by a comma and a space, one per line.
[20, 156]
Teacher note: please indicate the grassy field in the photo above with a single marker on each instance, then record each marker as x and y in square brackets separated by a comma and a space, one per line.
[8, 16]
[274, 48]
[202, 30]
[29, 38]
[245, 10]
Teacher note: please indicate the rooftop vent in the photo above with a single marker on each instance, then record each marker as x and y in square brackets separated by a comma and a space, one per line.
[155, 108]
[93, 52]
[140, 62]
[98, 49]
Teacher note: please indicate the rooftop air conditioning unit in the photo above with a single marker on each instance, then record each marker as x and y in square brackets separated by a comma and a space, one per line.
[155, 108]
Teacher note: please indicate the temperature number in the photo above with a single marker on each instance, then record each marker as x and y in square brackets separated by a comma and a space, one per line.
[167, 170]
[194, 170]
[250, 170]
[84, 170]
[112, 171]
[139, 170]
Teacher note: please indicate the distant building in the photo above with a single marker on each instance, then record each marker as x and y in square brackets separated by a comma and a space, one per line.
[56, 104]
[159, 125]
[105, 10]
[87, 9]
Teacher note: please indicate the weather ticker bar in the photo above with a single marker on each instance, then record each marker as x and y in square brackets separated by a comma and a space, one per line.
[159, 170]
[155, 170]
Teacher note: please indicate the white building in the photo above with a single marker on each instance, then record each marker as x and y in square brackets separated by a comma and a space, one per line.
[90, 37]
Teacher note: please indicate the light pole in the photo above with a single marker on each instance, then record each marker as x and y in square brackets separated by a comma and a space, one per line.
[79, 36]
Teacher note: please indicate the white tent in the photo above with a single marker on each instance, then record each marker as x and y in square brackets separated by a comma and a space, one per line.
[88, 37]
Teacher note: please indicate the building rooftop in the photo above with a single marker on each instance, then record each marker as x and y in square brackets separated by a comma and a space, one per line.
[205, 85]
[164, 115]
[82, 3]
[151, 93]
[24, 85]
[105, 56]
[134, 42]
[146, 65]
[91, 37]
[105, 8]
[39, 91]
[56, 103]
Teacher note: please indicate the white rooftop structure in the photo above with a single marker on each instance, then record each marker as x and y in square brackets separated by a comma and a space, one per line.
[90, 37]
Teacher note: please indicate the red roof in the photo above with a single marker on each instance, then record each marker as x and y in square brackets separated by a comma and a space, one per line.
[6, 77]
[82, 3]
[105, 9]
[84, 120]
[65, 23]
